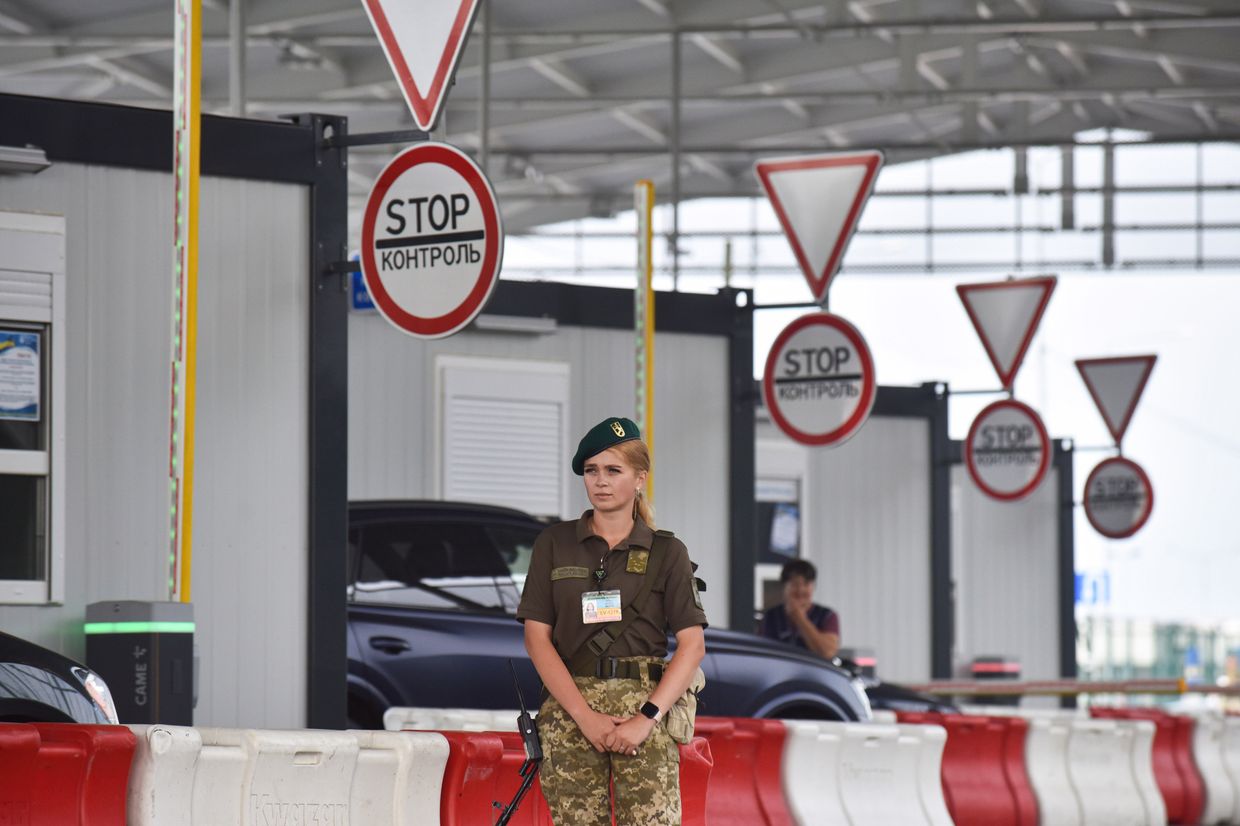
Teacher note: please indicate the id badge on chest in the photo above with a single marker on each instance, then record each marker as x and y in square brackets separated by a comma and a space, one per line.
[600, 606]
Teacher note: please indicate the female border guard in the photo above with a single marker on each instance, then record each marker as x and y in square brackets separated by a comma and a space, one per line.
[600, 721]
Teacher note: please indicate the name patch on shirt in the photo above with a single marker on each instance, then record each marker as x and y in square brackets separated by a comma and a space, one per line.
[600, 606]
[570, 572]
[637, 562]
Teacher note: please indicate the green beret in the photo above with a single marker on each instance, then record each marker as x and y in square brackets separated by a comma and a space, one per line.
[605, 434]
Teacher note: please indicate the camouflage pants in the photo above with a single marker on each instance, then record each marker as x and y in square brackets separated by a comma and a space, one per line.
[575, 777]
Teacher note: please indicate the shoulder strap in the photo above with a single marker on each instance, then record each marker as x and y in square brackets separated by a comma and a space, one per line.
[597, 645]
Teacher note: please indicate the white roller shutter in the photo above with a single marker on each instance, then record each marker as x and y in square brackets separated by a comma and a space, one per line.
[28, 294]
[503, 433]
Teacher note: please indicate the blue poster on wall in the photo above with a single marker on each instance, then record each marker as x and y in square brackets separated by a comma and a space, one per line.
[19, 375]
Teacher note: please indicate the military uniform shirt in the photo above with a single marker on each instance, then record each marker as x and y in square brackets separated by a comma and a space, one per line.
[561, 570]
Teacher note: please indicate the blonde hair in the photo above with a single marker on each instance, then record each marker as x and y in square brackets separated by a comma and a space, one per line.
[637, 456]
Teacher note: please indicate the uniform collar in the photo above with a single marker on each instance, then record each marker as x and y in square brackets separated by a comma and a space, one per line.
[641, 536]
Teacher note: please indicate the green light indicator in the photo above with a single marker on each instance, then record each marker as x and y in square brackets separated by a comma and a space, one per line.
[140, 627]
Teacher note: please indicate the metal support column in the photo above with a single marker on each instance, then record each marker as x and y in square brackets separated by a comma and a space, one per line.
[1062, 462]
[1108, 204]
[675, 136]
[1067, 187]
[742, 506]
[942, 587]
[236, 58]
[326, 622]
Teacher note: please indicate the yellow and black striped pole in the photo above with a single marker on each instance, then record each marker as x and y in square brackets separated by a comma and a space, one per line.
[186, 127]
[643, 316]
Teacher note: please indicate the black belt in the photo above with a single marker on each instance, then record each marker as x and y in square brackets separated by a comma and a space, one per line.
[614, 668]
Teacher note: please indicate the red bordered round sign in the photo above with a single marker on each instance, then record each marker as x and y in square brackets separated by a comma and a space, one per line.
[1007, 450]
[819, 384]
[1118, 498]
[432, 240]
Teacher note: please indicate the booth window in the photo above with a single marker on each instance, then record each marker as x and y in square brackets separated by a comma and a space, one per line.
[31, 424]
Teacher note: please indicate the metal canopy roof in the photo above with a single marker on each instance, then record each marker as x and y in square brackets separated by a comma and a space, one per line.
[580, 98]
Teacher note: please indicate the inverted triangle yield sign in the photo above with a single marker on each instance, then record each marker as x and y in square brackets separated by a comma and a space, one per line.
[819, 199]
[1006, 315]
[423, 41]
[1116, 385]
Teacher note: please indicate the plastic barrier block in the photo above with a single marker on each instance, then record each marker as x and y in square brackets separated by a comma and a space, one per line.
[399, 777]
[1174, 767]
[1046, 761]
[1143, 770]
[1190, 775]
[1231, 760]
[1220, 794]
[696, 765]
[1100, 763]
[1016, 772]
[931, 741]
[412, 718]
[745, 786]
[889, 775]
[208, 776]
[811, 773]
[61, 774]
[484, 769]
[984, 776]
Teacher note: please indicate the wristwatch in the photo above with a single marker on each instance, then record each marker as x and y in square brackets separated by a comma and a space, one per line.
[652, 711]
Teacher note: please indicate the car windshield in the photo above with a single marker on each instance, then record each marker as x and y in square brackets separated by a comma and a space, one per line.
[444, 565]
[516, 546]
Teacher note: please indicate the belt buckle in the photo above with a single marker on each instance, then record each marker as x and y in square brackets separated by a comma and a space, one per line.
[607, 668]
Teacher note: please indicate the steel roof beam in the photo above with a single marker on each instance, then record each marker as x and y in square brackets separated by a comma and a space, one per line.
[28, 23]
[602, 103]
[896, 26]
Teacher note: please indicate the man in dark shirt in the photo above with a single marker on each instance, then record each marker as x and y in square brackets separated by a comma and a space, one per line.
[798, 621]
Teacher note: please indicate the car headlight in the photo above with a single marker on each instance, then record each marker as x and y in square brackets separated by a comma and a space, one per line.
[99, 693]
[858, 686]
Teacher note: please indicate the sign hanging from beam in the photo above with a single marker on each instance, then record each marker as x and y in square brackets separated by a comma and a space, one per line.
[1006, 314]
[819, 199]
[423, 42]
[1116, 385]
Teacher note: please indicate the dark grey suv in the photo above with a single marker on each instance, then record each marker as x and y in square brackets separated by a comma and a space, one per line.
[434, 587]
[41, 686]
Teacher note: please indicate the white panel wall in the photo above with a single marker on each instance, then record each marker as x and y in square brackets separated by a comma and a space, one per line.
[250, 515]
[1005, 563]
[866, 523]
[392, 438]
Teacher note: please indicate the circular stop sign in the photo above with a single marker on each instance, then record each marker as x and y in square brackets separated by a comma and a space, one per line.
[1007, 450]
[432, 240]
[1118, 497]
[819, 381]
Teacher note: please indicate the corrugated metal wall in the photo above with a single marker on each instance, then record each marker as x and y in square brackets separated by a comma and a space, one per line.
[251, 512]
[866, 526]
[1005, 563]
[392, 419]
